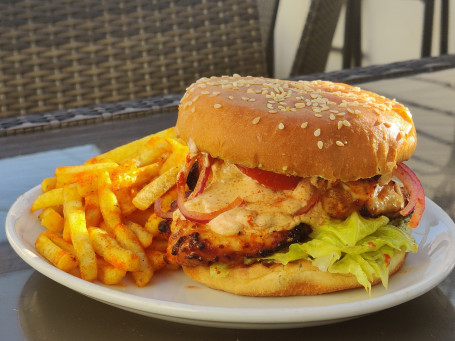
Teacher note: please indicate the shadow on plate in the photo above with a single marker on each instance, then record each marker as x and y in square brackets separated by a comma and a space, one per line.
[50, 311]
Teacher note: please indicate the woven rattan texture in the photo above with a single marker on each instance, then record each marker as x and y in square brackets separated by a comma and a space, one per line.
[158, 104]
[57, 54]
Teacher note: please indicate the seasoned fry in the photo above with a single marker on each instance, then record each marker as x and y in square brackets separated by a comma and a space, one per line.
[125, 200]
[155, 150]
[108, 248]
[99, 216]
[71, 174]
[155, 189]
[93, 215]
[48, 183]
[177, 158]
[131, 150]
[51, 219]
[152, 224]
[128, 240]
[60, 242]
[75, 221]
[156, 258]
[109, 205]
[60, 258]
[53, 197]
[109, 274]
[144, 237]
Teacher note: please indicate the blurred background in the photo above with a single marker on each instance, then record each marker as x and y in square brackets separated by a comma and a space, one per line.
[60, 54]
[391, 30]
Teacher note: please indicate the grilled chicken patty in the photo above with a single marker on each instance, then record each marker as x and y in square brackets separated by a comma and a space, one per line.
[269, 220]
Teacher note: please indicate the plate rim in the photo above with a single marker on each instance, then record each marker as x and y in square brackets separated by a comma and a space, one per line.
[219, 315]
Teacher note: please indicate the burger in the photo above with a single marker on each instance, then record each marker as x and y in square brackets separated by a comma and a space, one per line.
[293, 187]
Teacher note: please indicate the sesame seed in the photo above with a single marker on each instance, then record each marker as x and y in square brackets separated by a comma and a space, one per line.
[341, 114]
[346, 123]
[269, 106]
[332, 117]
[231, 97]
[349, 110]
[339, 143]
[202, 86]
[217, 106]
[273, 111]
[320, 144]
[193, 109]
[387, 124]
[250, 91]
[340, 124]
[304, 125]
[245, 98]
[205, 92]
[215, 93]
[251, 100]
[281, 126]
[236, 75]
[377, 111]
[357, 112]
[317, 132]
[256, 120]
[300, 105]
[318, 115]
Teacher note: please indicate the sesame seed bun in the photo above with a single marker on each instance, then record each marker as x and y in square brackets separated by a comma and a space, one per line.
[334, 131]
[294, 279]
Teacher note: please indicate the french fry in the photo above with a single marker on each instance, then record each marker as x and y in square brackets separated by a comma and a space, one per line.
[144, 237]
[130, 150]
[177, 158]
[48, 183]
[128, 240]
[93, 215]
[111, 251]
[109, 274]
[60, 258]
[155, 189]
[156, 259]
[60, 242]
[72, 174]
[115, 192]
[109, 205]
[124, 199]
[75, 221]
[158, 245]
[152, 224]
[53, 197]
[87, 184]
[155, 150]
[51, 219]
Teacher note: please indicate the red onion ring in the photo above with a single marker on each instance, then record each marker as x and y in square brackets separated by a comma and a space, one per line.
[198, 217]
[313, 200]
[203, 177]
[416, 202]
[159, 211]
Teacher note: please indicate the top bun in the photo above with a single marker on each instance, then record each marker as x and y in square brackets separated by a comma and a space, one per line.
[331, 130]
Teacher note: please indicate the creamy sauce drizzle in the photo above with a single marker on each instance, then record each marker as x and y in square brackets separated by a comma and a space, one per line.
[264, 209]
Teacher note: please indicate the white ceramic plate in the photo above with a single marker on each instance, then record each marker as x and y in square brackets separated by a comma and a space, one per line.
[172, 296]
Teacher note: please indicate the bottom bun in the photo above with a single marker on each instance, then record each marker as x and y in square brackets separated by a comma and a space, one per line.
[294, 279]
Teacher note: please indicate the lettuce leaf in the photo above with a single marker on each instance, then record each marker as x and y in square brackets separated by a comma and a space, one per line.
[358, 246]
[219, 270]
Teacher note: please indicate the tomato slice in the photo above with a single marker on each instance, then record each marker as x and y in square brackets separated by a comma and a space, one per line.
[275, 181]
